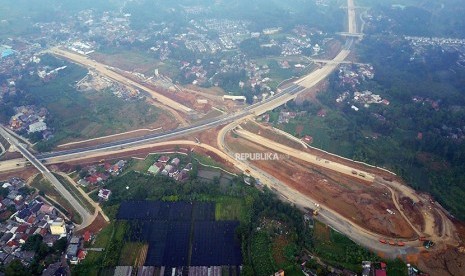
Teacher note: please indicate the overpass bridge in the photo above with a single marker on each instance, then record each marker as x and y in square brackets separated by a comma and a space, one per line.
[330, 61]
[346, 34]
[85, 215]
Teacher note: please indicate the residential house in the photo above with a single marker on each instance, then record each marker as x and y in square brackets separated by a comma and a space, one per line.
[156, 168]
[118, 167]
[71, 251]
[58, 227]
[182, 176]
[23, 215]
[47, 209]
[104, 194]
[175, 162]
[81, 255]
[188, 167]
[164, 159]
[169, 170]
[87, 236]
[36, 127]
[48, 238]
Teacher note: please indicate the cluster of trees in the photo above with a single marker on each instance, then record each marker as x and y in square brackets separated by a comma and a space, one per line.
[417, 18]
[437, 78]
[257, 244]
[253, 48]
[399, 79]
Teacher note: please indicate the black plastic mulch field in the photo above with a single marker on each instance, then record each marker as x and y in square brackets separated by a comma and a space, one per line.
[171, 228]
[215, 244]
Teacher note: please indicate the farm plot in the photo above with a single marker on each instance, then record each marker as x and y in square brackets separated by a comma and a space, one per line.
[182, 233]
[215, 244]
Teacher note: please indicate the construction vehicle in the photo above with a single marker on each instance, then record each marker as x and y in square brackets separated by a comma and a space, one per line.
[391, 243]
[317, 209]
[400, 243]
[428, 244]
[382, 241]
[354, 172]
[102, 160]
[361, 174]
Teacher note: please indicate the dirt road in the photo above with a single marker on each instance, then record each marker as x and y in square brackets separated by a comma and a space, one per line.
[97, 207]
[341, 168]
[445, 235]
[168, 104]
[328, 216]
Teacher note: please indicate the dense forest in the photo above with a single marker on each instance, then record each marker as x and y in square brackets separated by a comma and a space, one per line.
[418, 18]
[437, 157]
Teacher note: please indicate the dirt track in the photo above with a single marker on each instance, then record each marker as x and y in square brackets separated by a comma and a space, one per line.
[357, 200]
[437, 226]
[166, 103]
[341, 168]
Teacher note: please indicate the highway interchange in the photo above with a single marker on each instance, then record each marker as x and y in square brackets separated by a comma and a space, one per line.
[230, 121]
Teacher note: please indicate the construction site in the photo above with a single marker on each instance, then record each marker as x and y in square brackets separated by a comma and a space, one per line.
[372, 206]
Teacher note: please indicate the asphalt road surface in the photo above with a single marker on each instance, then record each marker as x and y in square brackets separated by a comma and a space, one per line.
[85, 215]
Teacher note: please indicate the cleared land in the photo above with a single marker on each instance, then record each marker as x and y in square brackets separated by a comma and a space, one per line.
[357, 200]
[103, 69]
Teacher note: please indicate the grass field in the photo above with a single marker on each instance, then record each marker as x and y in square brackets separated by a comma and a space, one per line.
[205, 160]
[322, 134]
[136, 60]
[93, 260]
[230, 208]
[129, 60]
[82, 115]
[142, 166]
[76, 194]
[338, 250]
[130, 253]
[50, 193]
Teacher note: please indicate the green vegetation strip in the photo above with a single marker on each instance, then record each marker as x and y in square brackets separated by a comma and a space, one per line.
[263, 263]
[48, 191]
[76, 193]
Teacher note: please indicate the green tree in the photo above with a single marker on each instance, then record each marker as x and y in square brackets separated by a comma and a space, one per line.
[16, 268]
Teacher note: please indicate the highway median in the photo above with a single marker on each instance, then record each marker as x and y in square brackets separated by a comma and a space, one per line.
[47, 191]
[75, 193]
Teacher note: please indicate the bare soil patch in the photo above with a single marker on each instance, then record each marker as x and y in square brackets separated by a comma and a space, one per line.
[23, 173]
[11, 155]
[443, 262]
[364, 204]
[413, 211]
[98, 223]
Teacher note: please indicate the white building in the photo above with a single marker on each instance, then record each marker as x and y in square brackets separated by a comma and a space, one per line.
[58, 227]
[38, 126]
